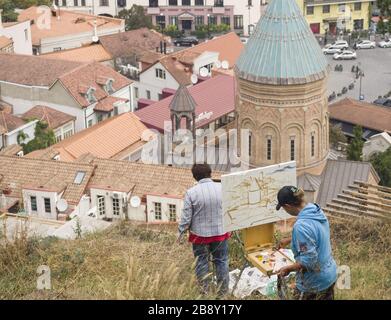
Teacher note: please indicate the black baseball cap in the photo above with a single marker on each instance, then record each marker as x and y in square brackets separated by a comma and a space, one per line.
[286, 195]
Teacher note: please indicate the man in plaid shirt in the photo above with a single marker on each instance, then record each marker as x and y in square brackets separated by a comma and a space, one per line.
[203, 216]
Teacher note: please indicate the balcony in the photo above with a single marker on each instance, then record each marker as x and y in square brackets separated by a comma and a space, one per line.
[218, 10]
[153, 10]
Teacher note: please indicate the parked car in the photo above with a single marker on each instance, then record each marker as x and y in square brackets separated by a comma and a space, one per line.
[244, 39]
[186, 42]
[342, 44]
[364, 44]
[385, 44]
[329, 49]
[345, 55]
[385, 102]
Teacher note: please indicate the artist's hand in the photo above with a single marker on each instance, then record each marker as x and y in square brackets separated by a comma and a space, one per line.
[283, 243]
[284, 271]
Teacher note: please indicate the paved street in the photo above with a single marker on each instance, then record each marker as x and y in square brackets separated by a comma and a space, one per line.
[376, 64]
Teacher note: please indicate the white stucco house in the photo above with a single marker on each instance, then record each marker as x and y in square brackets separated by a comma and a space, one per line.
[89, 92]
[19, 33]
[376, 143]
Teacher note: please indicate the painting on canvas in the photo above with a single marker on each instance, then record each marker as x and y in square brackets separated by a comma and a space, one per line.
[250, 197]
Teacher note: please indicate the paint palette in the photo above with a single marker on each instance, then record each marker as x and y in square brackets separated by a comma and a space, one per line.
[269, 261]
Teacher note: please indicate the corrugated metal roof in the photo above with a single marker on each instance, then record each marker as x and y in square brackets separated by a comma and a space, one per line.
[282, 50]
[309, 182]
[338, 175]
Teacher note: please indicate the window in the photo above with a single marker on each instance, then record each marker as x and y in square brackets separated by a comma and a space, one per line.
[269, 148]
[172, 211]
[48, 207]
[136, 92]
[158, 210]
[238, 22]
[57, 2]
[199, 20]
[90, 95]
[26, 35]
[185, 2]
[313, 144]
[109, 86]
[100, 117]
[58, 136]
[341, 7]
[310, 10]
[219, 3]
[250, 142]
[212, 20]
[104, 3]
[358, 24]
[148, 95]
[76, 3]
[101, 206]
[161, 21]
[173, 20]
[79, 177]
[33, 202]
[173, 2]
[292, 148]
[160, 96]
[357, 6]
[68, 133]
[153, 3]
[116, 111]
[226, 20]
[116, 207]
[57, 49]
[89, 123]
[83, 3]
[64, 3]
[160, 73]
[326, 8]
[199, 2]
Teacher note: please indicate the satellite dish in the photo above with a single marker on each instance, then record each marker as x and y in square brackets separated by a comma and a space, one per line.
[95, 39]
[204, 72]
[194, 79]
[62, 205]
[218, 64]
[135, 201]
[225, 65]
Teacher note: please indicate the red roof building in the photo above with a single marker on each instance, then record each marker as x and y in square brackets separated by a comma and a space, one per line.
[215, 103]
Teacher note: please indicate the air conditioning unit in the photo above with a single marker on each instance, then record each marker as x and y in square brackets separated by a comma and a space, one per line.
[117, 195]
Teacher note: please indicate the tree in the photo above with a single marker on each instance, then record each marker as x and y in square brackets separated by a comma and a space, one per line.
[382, 163]
[354, 150]
[336, 136]
[8, 14]
[24, 4]
[385, 7]
[135, 18]
[44, 137]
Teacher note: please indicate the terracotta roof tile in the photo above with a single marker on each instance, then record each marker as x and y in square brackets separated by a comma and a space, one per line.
[19, 172]
[10, 122]
[365, 114]
[78, 80]
[53, 118]
[11, 150]
[33, 70]
[5, 42]
[104, 140]
[69, 23]
[90, 53]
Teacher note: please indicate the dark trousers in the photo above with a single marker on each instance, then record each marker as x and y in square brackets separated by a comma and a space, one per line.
[327, 294]
[219, 253]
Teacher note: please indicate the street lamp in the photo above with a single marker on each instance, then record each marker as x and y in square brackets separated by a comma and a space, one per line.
[360, 74]
[208, 16]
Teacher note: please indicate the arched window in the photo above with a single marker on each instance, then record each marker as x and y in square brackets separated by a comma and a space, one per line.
[250, 143]
[269, 148]
[312, 144]
[293, 151]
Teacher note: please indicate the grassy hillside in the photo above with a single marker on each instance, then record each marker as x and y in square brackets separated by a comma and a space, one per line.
[133, 262]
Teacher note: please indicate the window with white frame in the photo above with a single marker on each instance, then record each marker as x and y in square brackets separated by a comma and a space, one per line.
[160, 73]
[158, 210]
[136, 92]
[172, 212]
[26, 34]
[101, 205]
[68, 130]
[116, 207]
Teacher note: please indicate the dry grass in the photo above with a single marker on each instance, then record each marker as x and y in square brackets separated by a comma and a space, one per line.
[134, 262]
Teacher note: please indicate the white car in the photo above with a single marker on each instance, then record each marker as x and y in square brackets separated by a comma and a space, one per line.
[345, 55]
[365, 44]
[342, 44]
[329, 49]
[385, 44]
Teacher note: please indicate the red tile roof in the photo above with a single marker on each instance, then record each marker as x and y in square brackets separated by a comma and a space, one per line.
[52, 117]
[215, 96]
[89, 75]
[361, 113]
[9, 122]
[107, 104]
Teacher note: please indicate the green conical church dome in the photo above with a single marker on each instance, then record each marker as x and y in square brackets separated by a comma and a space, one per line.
[282, 50]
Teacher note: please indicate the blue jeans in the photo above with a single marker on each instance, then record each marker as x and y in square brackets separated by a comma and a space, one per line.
[219, 253]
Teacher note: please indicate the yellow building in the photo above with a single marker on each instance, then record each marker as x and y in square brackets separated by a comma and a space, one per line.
[333, 16]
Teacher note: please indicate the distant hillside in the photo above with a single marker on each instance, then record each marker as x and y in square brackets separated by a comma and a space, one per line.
[133, 262]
